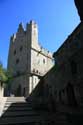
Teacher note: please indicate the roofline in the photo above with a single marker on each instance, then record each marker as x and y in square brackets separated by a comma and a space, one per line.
[71, 35]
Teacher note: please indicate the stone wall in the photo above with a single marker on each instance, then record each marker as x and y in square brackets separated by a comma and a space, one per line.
[68, 70]
[64, 81]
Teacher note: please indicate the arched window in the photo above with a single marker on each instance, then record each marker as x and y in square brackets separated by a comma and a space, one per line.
[21, 48]
[44, 61]
[17, 61]
[14, 52]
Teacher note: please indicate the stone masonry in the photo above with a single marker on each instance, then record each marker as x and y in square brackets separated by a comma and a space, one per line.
[65, 80]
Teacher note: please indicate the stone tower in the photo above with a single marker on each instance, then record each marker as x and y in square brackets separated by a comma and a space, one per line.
[27, 60]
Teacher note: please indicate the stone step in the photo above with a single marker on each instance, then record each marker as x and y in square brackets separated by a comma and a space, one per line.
[20, 113]
[16, 108]
[16, 99]
[60, 117]
[62, 123]
[17, 104]
[25, 119]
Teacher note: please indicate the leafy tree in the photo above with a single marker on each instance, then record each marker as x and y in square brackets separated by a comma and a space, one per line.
[5, 76]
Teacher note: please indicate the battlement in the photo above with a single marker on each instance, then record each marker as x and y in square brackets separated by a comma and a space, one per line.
[31, 30]
[22, 32]
[32, 22]
[45, 52]
[31, 26]
[13, 37]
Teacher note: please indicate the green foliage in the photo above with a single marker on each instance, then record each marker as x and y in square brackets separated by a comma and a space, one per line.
[5, 76]
[9, 77]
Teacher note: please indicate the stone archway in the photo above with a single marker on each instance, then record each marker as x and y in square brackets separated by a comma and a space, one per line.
[18, 91]
[71, 95]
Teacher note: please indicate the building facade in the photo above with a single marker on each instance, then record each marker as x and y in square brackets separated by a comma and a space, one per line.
[69, 77]
[65, 80]
[27, 60]
[62, 88]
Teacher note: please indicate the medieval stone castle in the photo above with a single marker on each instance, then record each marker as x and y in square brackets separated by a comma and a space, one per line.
[27, 60]
[58, 95]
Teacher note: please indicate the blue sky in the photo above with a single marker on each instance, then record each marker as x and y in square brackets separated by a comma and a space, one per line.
[56, 19]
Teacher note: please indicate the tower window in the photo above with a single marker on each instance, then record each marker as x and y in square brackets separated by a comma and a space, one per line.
[35, 80]
[17, 61]
[14, 52]
[44, 61]
[18, 73]
[21, 48]
[33, 70]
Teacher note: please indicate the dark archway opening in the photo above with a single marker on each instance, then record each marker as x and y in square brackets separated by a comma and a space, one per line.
[71, 95]
[18, 91]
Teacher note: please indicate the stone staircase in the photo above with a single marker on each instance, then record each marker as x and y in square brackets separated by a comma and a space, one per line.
[19, 112]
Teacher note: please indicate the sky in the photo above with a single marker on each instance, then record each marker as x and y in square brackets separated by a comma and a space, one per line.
[56, 20]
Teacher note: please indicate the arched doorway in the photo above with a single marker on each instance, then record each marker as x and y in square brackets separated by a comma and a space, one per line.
[18, 91]
[71, 95]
